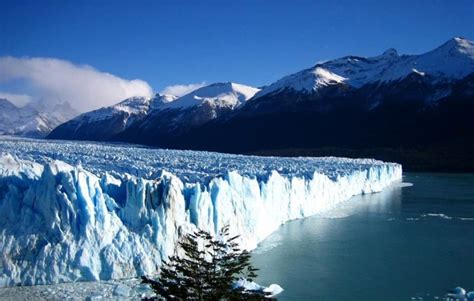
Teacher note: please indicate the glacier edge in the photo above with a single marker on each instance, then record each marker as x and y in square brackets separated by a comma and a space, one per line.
[62, 223]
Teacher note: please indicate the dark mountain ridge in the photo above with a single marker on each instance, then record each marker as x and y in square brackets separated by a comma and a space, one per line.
[413, 109]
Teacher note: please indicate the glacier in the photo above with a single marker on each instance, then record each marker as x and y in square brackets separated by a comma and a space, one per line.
[83, 211]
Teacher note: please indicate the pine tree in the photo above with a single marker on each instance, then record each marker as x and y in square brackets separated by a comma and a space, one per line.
[207, 271]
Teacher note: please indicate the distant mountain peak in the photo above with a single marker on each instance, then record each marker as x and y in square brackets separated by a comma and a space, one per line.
[220, 94]
[465, 46]
[459, 39]
[457, 45]
[391, 52]
[161, 99]
[36, 119]
[6, 104]
[165, 98]
[462, 41]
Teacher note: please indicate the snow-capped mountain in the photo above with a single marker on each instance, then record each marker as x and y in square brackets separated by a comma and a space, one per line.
[390, 100]
[176, 118]
[104, 123]
[412, 104]
[451, 61]
[8, 111]
[36, 119]
[145, 120]
[218, 95]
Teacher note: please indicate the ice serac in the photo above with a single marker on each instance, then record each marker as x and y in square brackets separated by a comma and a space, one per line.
[63, 223]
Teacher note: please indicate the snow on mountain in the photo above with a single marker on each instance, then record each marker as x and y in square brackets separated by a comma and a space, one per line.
[220, 95]
[142, 118]
[160, 99]
[130, 107]
[451, 61]
[8, 114]
[228, 95]
[36, 119]
[65, 221]
[105, 122]
[307, 80]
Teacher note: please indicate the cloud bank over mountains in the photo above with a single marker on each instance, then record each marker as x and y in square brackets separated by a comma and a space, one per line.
[18, 99]
[84, 87]
[180, 90]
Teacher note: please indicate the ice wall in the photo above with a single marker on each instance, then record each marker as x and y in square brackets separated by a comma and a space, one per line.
[62, 223]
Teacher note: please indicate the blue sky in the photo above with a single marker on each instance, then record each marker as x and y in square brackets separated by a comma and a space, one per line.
[250, 42]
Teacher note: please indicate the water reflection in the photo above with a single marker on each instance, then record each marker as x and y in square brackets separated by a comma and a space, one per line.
[387, 201]
[368, 246]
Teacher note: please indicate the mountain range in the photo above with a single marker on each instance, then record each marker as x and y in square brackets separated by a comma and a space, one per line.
[36, 119]
[413, 109]
[163, 116]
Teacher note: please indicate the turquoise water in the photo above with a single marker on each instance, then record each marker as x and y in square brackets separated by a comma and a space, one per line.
[406, 243]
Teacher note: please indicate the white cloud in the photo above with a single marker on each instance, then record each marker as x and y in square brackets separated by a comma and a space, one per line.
[84, 87]
[17, 99]
[321, 62]
[180, 90]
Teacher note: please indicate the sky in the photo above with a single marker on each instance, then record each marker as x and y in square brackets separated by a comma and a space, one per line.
[55, 48]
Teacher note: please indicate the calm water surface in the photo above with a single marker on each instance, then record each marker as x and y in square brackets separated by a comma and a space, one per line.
[404, 243]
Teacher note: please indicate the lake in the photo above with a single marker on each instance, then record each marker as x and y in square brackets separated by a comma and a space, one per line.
[405, 243]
